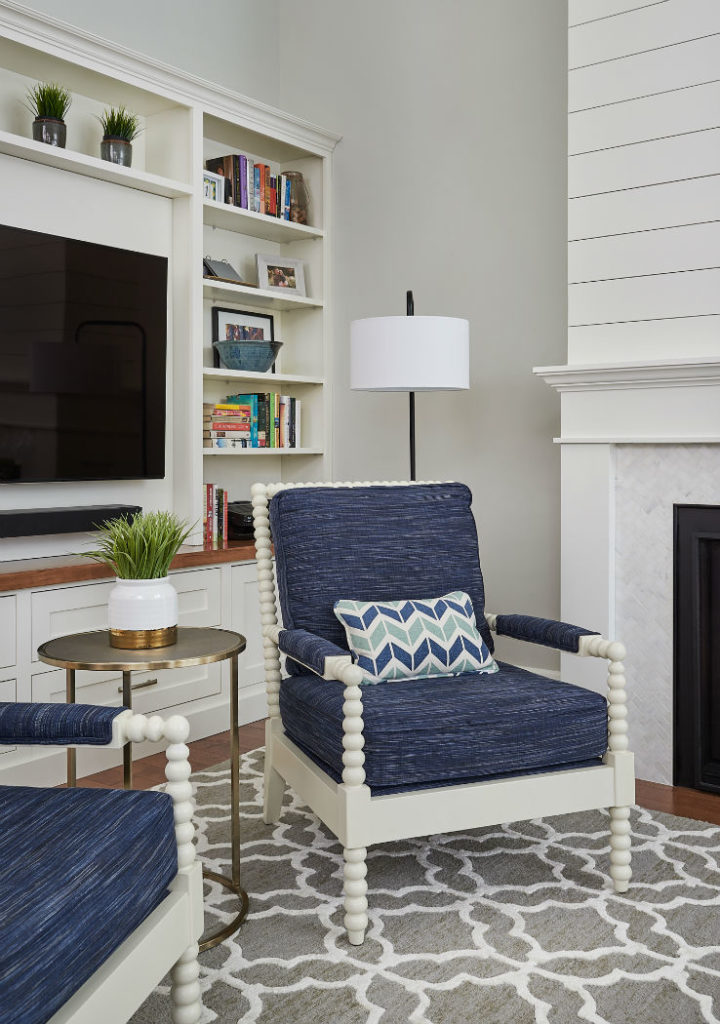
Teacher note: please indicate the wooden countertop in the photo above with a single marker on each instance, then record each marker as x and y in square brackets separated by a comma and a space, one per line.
[48, 572]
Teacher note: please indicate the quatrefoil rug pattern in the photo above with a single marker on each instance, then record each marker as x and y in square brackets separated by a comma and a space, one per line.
[513, 924]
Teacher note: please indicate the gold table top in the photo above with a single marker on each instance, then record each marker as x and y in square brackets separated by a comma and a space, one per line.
[195, 646]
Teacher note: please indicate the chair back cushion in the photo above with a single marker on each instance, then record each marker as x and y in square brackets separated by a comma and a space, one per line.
[377, 543]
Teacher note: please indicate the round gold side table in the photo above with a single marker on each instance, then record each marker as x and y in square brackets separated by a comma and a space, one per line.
[92, 652]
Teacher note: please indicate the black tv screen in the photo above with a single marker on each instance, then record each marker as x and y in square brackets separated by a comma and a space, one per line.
[83, 339]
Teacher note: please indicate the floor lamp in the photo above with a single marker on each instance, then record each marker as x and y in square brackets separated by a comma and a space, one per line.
[410, 353]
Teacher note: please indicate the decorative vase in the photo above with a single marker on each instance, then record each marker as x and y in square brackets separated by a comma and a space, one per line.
[142, 614]
[51, 130]
[299, 197]
[116, 150]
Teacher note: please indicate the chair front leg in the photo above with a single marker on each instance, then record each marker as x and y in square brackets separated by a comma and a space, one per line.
[355, 889]
[185, 988]
[622, 761]
[355, 870]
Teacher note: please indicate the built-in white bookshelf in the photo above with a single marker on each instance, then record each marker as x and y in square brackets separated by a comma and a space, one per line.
[157, 205]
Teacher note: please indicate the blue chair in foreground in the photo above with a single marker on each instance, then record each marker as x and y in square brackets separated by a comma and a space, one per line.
[100, 891]
[384, 762]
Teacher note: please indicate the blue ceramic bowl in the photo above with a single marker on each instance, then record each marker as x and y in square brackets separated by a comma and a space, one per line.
[253, 356]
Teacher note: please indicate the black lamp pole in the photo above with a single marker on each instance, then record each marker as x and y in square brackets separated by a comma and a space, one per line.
[411, 312]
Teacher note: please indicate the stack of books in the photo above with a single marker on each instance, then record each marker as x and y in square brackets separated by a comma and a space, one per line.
[215, 516]
[257, 420]
[253, 186]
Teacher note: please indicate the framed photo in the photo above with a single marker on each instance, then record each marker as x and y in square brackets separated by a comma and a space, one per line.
[279, 274]
[240, 324]
[213, 187]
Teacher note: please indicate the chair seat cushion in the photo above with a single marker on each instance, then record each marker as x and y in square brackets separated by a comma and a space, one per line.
[472, 727]
[81, 868]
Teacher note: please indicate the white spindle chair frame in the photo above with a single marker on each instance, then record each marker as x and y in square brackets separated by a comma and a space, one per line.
[359, 820]
[167, 940]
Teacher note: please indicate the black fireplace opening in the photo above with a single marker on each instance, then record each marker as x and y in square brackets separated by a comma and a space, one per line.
[696, 667]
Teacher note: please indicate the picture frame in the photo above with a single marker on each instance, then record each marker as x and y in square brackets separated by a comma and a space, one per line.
[229, 323]
[280, 274]
[213, 187]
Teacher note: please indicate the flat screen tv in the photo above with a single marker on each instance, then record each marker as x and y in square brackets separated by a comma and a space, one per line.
[83, 339]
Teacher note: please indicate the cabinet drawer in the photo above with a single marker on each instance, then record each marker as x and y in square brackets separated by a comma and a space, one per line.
[198, 597]
[245, 619]
[8, 692]
[8, 631]
[83, 608]
[68, 610]
[173, 687]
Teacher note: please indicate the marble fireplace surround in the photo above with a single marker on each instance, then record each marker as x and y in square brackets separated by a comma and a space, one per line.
[636, 439]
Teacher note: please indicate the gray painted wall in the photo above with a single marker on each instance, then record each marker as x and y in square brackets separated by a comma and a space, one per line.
[450, 180]
[232, 42]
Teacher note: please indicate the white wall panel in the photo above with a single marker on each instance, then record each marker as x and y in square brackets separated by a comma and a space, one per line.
[675, 67]
[651, 117]
[647, 252]
[642, 29]
[693, 293]
[580, 11]
[682, 337]
[642, 209]
[683, 156]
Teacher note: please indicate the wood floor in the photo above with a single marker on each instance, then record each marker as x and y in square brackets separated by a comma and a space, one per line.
[150, 771]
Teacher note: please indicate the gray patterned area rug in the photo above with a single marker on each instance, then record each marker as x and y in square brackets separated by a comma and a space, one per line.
[505, 925]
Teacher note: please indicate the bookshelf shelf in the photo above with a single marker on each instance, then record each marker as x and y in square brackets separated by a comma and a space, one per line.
[262, 452]
[91, 167]
[257, 225]
[234, 376]
[258, 297]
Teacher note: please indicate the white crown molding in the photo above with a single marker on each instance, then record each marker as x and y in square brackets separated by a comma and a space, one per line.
[666, 373]
[44, 32]
[638, 439]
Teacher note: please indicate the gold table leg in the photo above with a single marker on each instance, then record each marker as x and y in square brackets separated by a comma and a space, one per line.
[70, 753]
[127, 749]
[232, 884]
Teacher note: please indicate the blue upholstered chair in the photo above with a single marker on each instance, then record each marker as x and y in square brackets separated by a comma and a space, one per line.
[421, 756]
[100, 891]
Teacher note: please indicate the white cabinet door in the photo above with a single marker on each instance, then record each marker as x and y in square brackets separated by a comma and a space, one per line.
[76, 609]
[82, 608]
[245, 619]
[8, 631]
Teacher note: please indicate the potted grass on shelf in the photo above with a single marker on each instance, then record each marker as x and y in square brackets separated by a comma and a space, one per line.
[143, 604]
[119, 127]
[49, 102]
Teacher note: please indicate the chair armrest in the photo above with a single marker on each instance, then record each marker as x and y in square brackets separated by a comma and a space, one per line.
[562, 636]
[320, 656]
[57, 724]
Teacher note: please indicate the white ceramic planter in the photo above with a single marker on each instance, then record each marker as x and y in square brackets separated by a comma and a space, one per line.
[142, 613]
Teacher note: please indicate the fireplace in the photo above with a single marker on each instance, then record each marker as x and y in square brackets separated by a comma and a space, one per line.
[697, 647]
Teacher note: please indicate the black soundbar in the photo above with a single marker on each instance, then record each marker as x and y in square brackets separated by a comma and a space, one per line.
[32, 522]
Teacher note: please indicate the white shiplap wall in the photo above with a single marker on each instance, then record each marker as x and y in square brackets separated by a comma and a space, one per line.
[643, 179]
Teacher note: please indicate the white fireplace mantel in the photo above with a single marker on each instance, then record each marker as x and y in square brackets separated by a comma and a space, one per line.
[671, 401]
[637, 438]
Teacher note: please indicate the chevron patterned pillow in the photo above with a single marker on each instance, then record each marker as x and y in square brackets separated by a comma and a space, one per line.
[414, 639]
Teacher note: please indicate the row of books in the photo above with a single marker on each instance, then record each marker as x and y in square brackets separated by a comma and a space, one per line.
[215, 516]
[253, 186]
[257, 420]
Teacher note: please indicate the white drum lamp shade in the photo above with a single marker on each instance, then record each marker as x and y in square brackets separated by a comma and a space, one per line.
[410, 353]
